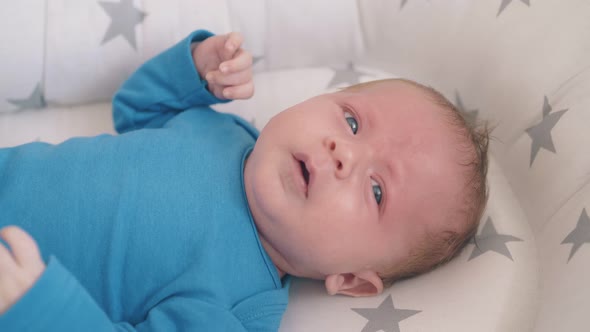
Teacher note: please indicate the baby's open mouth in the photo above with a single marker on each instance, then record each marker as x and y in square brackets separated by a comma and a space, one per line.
[305, 174]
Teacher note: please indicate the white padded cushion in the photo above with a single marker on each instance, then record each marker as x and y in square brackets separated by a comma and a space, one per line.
[501, 57]
[83, 64]
[170, 21]
[544, 186]
[249, 18]
[504, 63]
[564, 299]
[312, 33]
[21, 54]
[81, 68]
[55, 124]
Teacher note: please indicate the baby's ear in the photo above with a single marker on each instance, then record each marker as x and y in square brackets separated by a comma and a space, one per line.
[364, 283]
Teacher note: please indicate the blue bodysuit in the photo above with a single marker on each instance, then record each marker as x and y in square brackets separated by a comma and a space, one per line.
[149, 230]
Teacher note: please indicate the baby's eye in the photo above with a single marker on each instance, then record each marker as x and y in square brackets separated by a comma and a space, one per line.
[354, 125]
[376, 191]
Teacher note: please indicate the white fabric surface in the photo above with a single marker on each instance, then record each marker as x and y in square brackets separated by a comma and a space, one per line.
[170, 21]
[564, 298]
[82, 67]
[55, 124]
[77, 69]
[22, 36]
[312, 33]
[501, 58]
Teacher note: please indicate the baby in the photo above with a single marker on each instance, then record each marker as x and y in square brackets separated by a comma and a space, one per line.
[191, 220]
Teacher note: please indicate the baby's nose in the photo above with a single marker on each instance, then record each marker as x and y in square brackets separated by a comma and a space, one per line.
[345, 155]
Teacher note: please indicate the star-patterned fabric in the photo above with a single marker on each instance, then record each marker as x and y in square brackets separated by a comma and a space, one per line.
[346, 77]
[469, 114]
[541, 133]
[385, 317]
[505, 3]
[35, 101]
[579, 235]
[497, 61]
[124, 17]
[490, 240]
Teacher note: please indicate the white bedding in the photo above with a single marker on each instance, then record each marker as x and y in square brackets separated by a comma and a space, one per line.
[522, 65]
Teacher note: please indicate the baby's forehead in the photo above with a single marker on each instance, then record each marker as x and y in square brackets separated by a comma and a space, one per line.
[394, 103]
[395, 96]
[388, 86]
[413, 112]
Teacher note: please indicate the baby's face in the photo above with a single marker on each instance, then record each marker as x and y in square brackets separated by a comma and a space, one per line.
[350, 181]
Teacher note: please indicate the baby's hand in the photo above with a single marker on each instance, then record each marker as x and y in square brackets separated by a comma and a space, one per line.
[226, 66]
[20, 268]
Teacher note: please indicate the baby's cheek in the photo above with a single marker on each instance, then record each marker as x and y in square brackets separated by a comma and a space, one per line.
[348, 202]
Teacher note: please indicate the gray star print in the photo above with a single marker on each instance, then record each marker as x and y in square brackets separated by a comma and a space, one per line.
[541, 133]
[349, 76]
[384, 318]
[256, 59]
[403, 3]
[470, 115]
[505, 3]
[580, 234]
[124, 18]
[35, 100]
[490, 240]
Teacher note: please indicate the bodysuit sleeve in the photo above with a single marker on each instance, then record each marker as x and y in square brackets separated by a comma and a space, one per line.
[161, 88]
[58, 302]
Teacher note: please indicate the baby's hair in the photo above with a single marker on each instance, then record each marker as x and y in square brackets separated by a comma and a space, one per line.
[437, 249]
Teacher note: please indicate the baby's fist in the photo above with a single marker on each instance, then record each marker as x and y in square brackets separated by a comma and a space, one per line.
[20, 266]
[226, 66]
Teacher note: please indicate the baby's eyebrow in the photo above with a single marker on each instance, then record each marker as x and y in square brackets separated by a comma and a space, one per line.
[364, 113]
[390, 170]
[393, 180]
[394, 171]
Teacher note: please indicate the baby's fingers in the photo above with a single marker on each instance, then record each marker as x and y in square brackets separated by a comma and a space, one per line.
[7, 262]
[24, 248]
[239, 78]
[232, 44]
[241, 61]
[243, 91]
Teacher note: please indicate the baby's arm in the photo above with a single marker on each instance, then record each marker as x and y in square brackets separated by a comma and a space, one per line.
[173, 81]
[38, 298]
